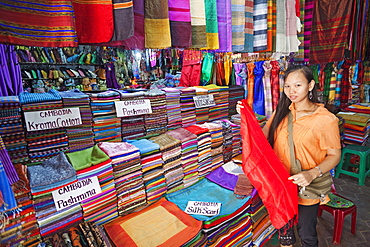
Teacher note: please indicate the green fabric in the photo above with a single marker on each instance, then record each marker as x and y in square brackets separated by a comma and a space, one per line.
[328, 69]
[338, 202]
[207, 65]
[87, 157]
[211, 16]
[315, 72]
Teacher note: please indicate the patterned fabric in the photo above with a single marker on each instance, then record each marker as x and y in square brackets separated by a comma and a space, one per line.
[275, 87]
[211, 24]
[224, 25]
[308, 17]
[248, 28]
[281, 26]
[180, 23]
[267, 88]
[292, 26]
[260, 25]
[123, 15]
[37, 23]
[198, 24]
[345, 84]
[157, 24]
[7, 163]
[238, 23]
[94, 20]
[328, 42]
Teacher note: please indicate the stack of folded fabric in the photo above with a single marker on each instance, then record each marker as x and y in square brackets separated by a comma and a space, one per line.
[152, 167]
[128, 176]
[216, 144]
[156, 122]
[106, 124]
[204, 149]
[132, 126]
[261, 119]
[173, 108]
[171, 156]
[187, 106]
[202, 113]
[11, 129]
[43, 144]
[189, 154]
[50, 175]
[236, 138]
[227, 146]
[91, 162]
[356, 127]
[236, 93]
[79, 136]
[221, 97]
[213, 110]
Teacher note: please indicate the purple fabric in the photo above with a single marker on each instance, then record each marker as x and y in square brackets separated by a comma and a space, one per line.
[123, 21]
[180, 22]
[138, 40]
[10, 171]
[111, 76]
[223, 178]
[10, 72]
[224, 25]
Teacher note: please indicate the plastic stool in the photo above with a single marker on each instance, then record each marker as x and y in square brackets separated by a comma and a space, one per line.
[363, 166]
[339, 214]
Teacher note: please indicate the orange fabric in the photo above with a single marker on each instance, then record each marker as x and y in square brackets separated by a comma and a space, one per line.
[250, 67]
[313, 135]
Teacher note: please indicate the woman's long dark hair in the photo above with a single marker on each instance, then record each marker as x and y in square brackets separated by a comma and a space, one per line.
[282, 109]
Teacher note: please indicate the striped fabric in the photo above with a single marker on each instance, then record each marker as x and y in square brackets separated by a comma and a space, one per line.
[123, 13]
[333, 83]
[238, 22]
[300, 55]
[308, 16]
[260, 25]
[275, 83]
[37, 23]
[211, 24]
[198, 24]
[248, 27]
[267, 88]
[281, 45]
[224, 25]
[330, 30]
[137, 41]
[156, 24]
[180, 22]
[94, 20]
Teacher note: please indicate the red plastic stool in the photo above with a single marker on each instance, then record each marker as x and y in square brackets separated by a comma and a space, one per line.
[339, 214]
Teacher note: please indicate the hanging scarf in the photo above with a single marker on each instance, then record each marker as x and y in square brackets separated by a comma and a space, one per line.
[7, 163]
[157, 24]
[292, 27]
[224, 25]
[207, 68]
[248, 27]
[227, 67]
[94, 20]
[275, 83]
[211, 24]
[259, 95]
[50, 23]
[10, 72]
[345, 85]
[250, 68]
[180, 22]
[333, 82]
[123, 14]
[308, 17]
[220, 72]
[237, 21]
[327, 78]
[198, 24]
[267, 88]
[260, 25]
[338, 84]
[300, 56]
[281, 44]
[7, 199]
[266, 172]
[137, 41]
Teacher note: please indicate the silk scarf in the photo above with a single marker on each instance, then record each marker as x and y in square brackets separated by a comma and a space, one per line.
[180, 22]
[237, 22]
[224, 25]
[123, 13]
[248, 27]
[198, 24]
[260, 25]
[211, 24]
[137, 41]
[258, 91]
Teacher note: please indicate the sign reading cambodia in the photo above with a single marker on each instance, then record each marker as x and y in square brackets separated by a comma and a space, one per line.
[204, 101]
[76, 192]
[203, 208]
[133, 107]
[52, 119]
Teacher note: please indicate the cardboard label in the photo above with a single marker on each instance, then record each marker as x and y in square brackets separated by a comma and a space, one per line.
[52, 119]
[203, 208]
[129, 108]
[204, 101]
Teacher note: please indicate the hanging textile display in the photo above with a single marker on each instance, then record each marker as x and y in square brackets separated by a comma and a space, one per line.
[94, 20]
[238, 23]
[281, 45]
[267, 88]
[258, 90]
[250, 68]
[137, 41]
[302, 14]
[207, 68]
[211, 24]
[292, 27]
[123, 18]
[156, 24]
[10, 71]
[260, 25]
[328, 42]
[50, 23]
[198, 24]
[266, 172]
[275, 87]
[191, 68]
[308, 18]
[180, 22]
[248, 27]
[224, 25]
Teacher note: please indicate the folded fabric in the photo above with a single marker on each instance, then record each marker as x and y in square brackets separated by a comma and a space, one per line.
[243, 186]
[86, 158]
[26, 97]
[145, 146]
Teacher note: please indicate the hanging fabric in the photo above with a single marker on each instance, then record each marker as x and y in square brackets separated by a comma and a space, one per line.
[248, 27]
[327, 77]
[267, 88]
[32, 28]
[250, 69]
[237, 21]
[308, 17]
[292, 26]
[94, 20]
[191, 68]
[281, 45]
[301, 15]
[5, 160]
[228, 64]
[207, 66]
[224, 25]
[258, 91]
[220, 72]
[345, 84]
[180, 22]
[266, 172]
[10, 72]
[7, 199]
[198, 24]
[330, 41]
[333, 83]
[123, 14]
[157, 24]
[260, 25]
[338, 84]
[211, 24]
[137, 41]
[275, 87]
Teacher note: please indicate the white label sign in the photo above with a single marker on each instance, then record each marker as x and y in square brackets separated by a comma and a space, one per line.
[133, 107]
[203, 208]
[76, 192]
[52, 119]
[204, 101]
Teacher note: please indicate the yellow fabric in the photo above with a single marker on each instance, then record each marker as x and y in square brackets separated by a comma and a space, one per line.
[212, 41]
[227, 67]
[313, 135]
[157, 33]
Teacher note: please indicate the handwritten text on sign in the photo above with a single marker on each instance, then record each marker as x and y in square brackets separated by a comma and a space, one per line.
[203, 208]
[52, 119]
[133, 107]
[204, 100]
[76, 192]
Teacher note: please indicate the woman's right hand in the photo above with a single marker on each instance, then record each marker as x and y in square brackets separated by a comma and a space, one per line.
[239, 106]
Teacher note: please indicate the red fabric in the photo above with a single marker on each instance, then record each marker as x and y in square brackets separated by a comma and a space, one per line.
[266, 172]
[275, 87]
[196, 129]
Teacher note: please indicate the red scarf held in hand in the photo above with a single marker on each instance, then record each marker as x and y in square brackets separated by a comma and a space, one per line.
[266, 172]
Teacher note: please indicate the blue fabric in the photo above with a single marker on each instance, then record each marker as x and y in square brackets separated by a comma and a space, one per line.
[8, 200]
[73, 94]
[207, 191]
[144, 145]
[26, 97]
[259, 96]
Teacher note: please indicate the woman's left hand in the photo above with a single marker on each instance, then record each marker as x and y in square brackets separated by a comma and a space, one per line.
[303, 178]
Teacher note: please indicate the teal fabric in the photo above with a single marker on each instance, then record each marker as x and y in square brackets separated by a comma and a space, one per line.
[338, 202]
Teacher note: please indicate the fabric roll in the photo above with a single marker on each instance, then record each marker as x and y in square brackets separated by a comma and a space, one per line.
[198, 24]
[32, 28]
[180, 23]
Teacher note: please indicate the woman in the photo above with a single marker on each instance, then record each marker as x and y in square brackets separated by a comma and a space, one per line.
[316, 140]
